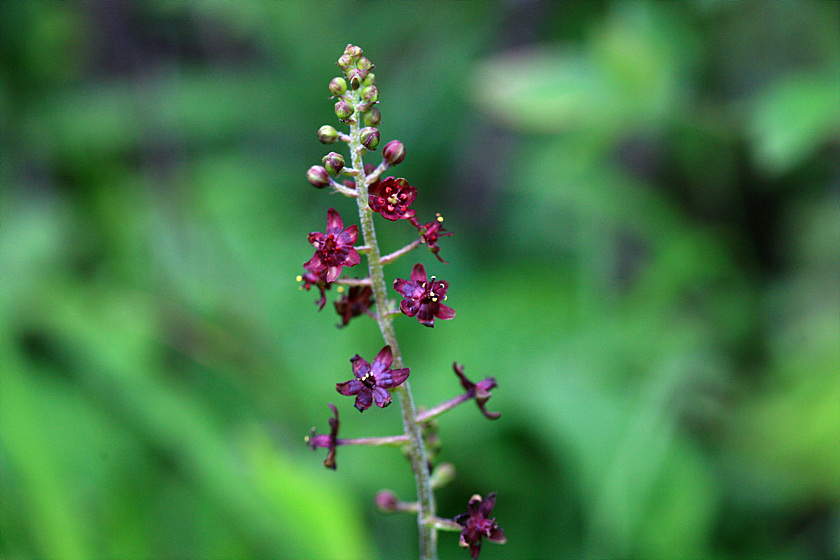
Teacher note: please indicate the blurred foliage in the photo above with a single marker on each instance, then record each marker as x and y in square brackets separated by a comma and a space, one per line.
[645, 205]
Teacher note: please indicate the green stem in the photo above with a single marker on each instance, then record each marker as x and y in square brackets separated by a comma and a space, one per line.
[416, 445]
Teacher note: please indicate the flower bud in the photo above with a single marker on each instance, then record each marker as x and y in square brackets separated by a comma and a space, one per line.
[318, 177]
[364, 64]
[345, 62]
[369, 80]
[355, 76]
[387, 501]
[343, 110]
[334, 163]
[443, 474]
[393, 152]
[327, 134]
[370, 94]
[353, 51]
[338, 86]
[372, 117]
[369, 137]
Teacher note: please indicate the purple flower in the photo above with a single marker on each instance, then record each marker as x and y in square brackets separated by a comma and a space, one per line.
[431, 232]
[326, 440]
[333, 249]
[423, 298]
[371, 382]
[391, 198]
[355, 301]
[480, 391]
[478, 524]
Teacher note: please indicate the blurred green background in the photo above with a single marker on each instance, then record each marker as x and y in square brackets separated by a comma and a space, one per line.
[644, 198]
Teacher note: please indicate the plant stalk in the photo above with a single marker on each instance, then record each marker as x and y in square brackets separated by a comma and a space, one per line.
[411, 428]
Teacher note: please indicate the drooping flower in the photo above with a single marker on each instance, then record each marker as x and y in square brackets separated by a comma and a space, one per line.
[371, 383]
[478, 524]
[355, 301]
[319, 280]
[333, 249]
[392, 198]
[423, 297]
[326, 440]
[480, 391]
[431, 232]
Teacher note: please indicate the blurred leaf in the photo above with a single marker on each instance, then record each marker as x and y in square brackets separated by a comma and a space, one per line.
[793, 118]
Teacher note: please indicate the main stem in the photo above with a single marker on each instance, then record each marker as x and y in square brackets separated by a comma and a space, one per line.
[411, 428]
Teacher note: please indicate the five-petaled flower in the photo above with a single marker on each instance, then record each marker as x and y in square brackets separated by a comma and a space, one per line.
[479, 391]
[371, 382]
[355, 301]
[333, 249]
[423, 298]
[392, 197]
[326, 440]
[477, 524]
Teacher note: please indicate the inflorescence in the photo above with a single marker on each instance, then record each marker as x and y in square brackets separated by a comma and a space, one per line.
[423, 296]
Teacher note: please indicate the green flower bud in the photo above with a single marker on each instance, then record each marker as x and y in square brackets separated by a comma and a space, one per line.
[372, 117]
[369, 80]
[318, 177]
[364, 64]
[327, 134]
[345, 62]
[393, 152]
[338, 86]
[353, 51]
[369, 137]
[370, 94]
[343, 110]
[355, 76]
[334, 163]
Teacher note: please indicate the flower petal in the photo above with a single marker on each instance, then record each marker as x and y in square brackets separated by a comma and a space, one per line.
[404, 287]
[445, 312]
[348, 388]
[348, 236]
[360, 366]
[363, 400]
[383, 360]
[381, 397]
[418, 274]
[334, 222]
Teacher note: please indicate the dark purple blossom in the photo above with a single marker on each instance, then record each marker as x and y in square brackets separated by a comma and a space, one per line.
[480, 391]
[392, 198]
[333, 249]
[319, 280]
[371, 383]
[431, 232]
[478, 524]
[423, 298]
[354, 302]
[326, 440]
